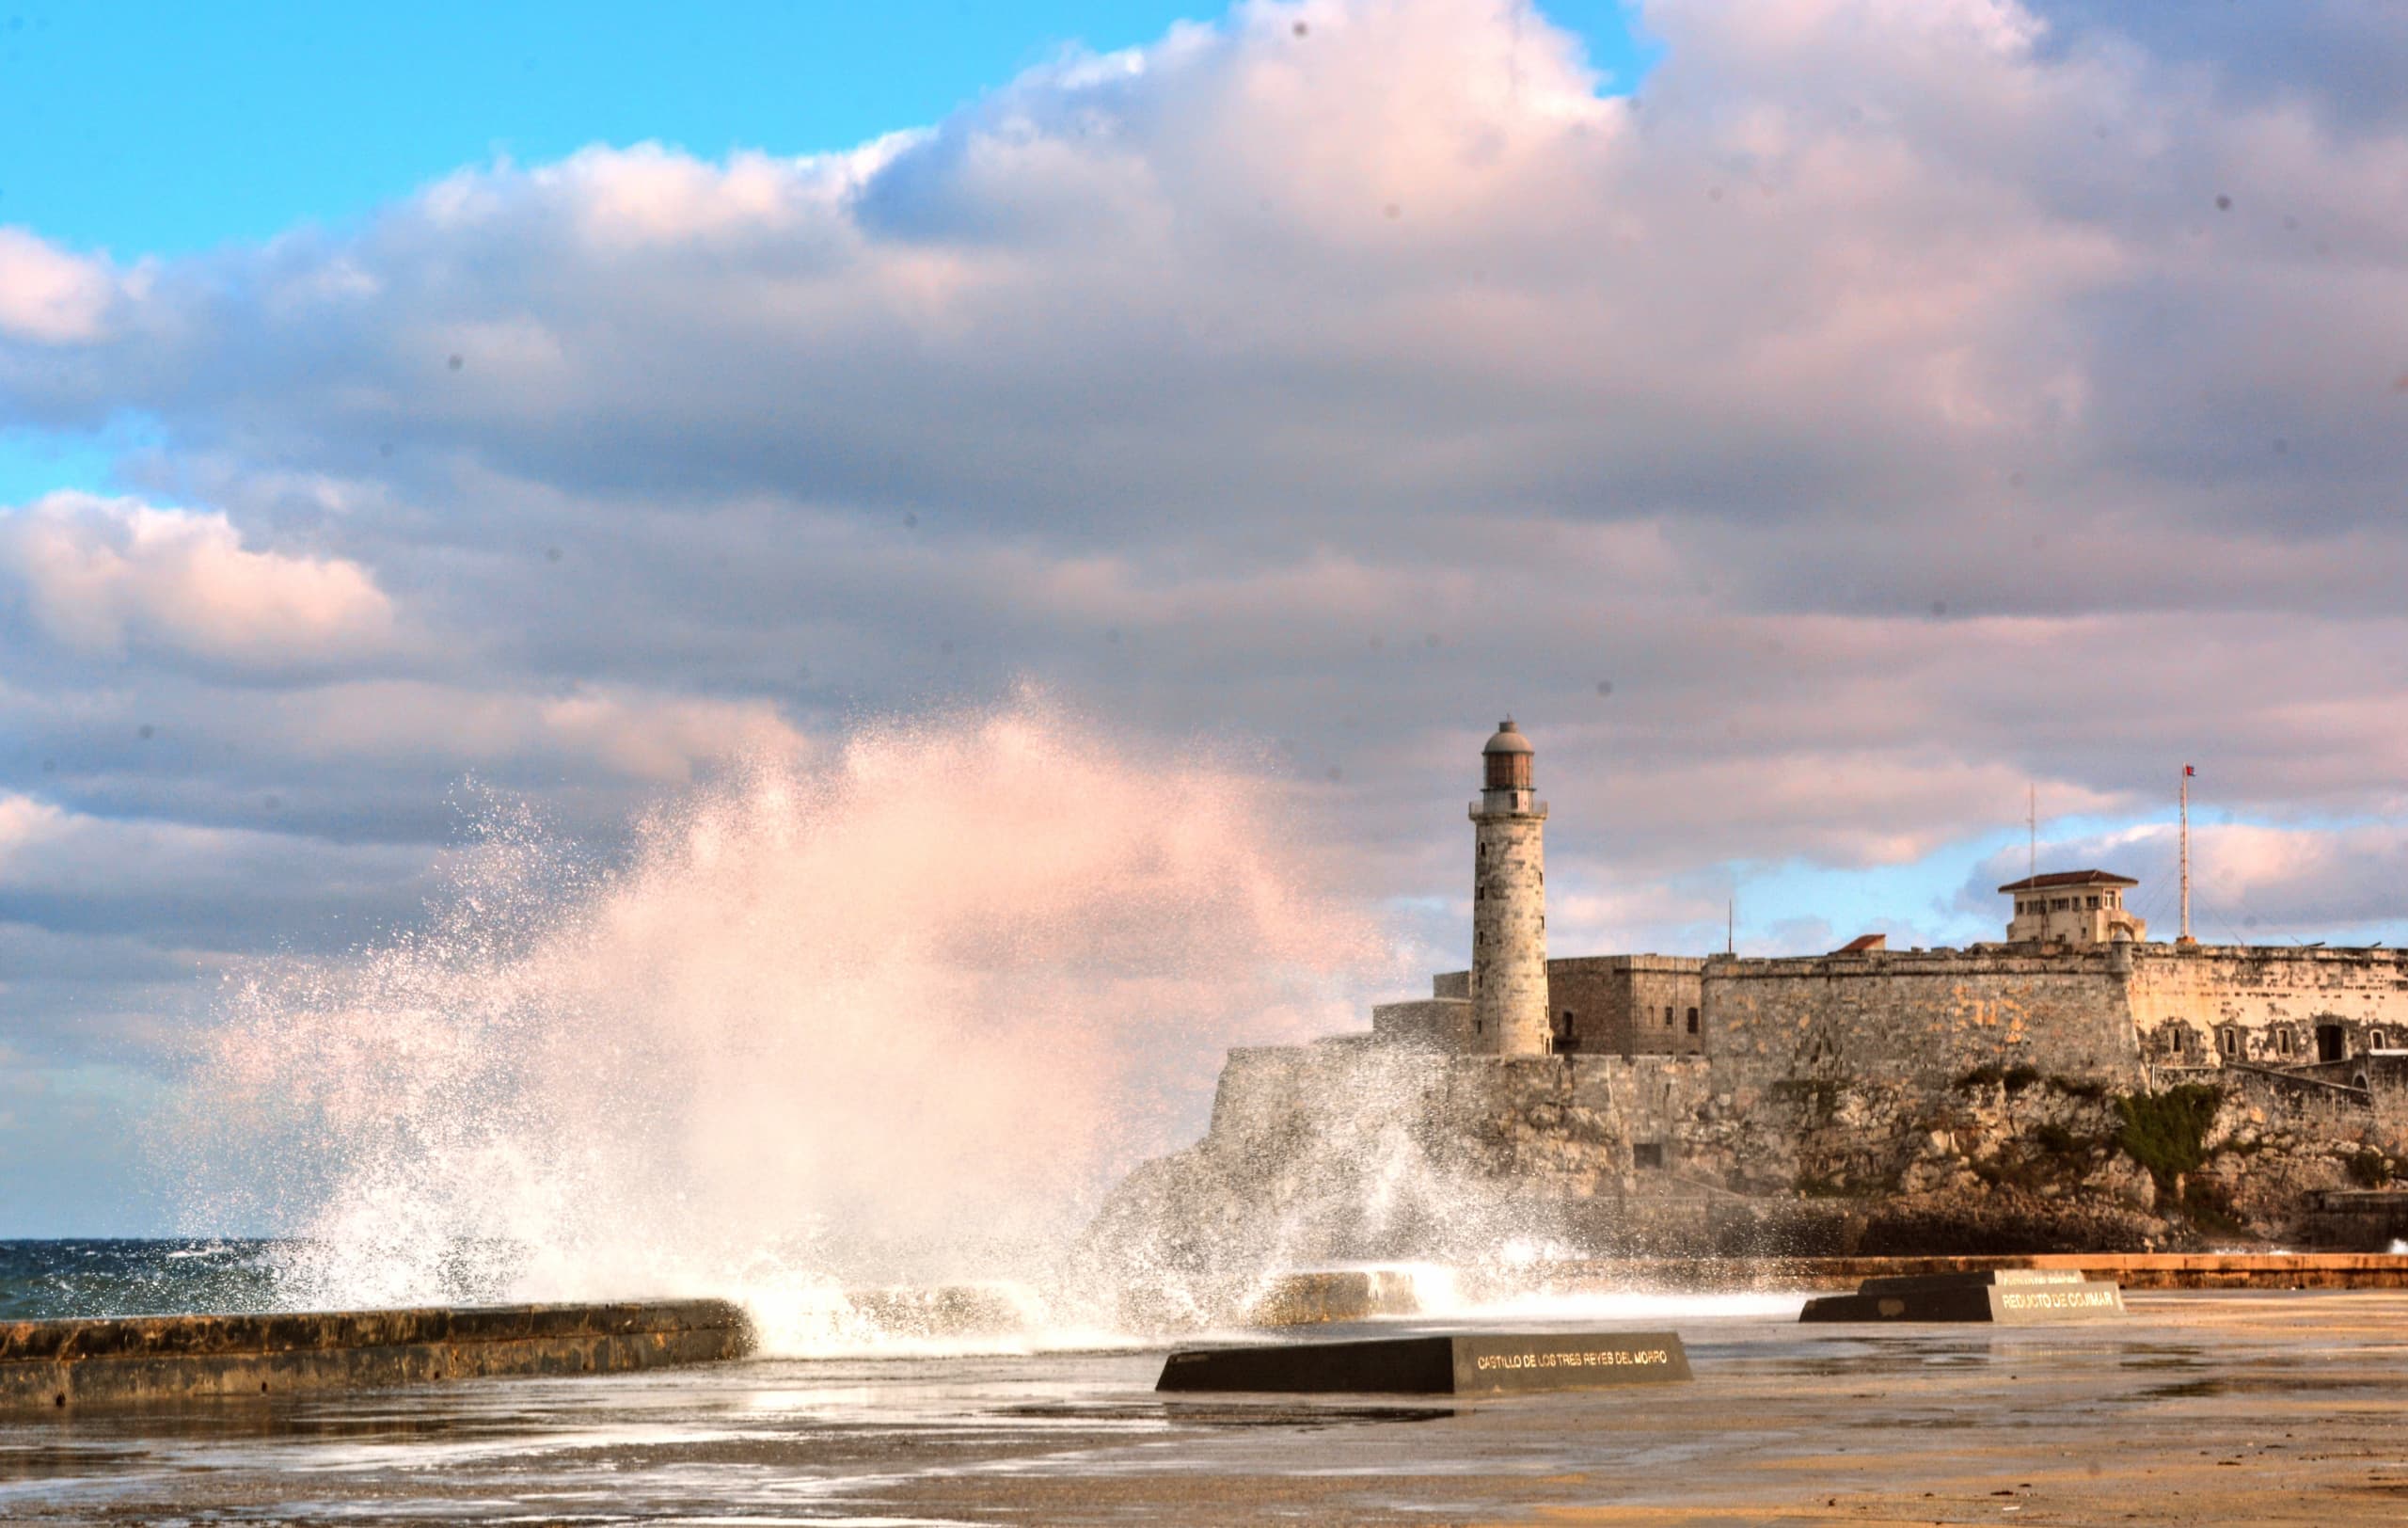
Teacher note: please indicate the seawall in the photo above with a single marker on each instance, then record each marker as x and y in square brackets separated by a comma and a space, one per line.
[2133, 1270]
[138, 1359]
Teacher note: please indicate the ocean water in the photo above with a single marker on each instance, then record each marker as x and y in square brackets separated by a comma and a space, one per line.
[44, 1280]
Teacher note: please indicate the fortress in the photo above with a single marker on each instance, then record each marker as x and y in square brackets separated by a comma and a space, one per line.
[2074, 989]
[2073, 1085]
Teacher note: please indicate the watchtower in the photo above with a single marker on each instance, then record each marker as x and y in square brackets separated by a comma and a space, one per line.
[1509, 903]
[2072, 907]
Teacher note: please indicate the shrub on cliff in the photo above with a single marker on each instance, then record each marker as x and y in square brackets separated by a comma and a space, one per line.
[2167, 1132]
[2367, 1167]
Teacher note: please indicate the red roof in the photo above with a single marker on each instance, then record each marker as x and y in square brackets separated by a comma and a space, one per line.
[2069, 878]
[1863, 943]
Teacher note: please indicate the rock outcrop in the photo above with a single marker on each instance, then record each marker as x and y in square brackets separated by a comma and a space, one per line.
[1345, 1152]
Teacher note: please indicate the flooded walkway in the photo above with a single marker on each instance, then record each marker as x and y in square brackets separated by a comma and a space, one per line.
[2202, 1408]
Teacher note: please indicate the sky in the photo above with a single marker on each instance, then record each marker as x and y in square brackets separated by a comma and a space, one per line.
[1821, 422]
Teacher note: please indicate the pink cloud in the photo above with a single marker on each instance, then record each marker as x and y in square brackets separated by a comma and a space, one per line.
[102, 575]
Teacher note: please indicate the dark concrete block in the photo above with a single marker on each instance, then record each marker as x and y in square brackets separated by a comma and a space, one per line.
[2006, 1296]
[1485, 1363]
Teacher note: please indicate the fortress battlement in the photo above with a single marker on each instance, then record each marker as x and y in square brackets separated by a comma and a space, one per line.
[2002, 1088]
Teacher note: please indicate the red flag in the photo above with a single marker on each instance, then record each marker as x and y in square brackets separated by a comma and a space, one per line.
[2188, 772]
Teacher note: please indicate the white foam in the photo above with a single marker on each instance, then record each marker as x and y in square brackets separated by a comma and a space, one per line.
[900, 1011]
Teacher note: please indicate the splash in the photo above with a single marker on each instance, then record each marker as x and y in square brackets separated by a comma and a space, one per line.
[900, 1011]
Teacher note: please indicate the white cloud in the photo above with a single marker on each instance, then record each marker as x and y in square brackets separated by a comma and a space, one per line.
[101, 575]
[656, 738]
[1902, 401]
[49, 296]
[26, 825]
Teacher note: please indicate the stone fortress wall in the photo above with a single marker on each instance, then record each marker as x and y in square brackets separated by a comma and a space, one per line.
[2117, 1013]
[1917, 1019]
[2266, 1005]
[1724, 1076]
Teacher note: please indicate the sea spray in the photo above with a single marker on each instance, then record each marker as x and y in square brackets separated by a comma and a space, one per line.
[900, 1011]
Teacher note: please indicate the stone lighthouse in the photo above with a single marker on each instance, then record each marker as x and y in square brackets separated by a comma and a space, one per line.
[1509, 1014]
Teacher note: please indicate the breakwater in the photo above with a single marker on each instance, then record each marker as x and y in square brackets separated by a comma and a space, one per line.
[2132, 1270]
[141, 1359]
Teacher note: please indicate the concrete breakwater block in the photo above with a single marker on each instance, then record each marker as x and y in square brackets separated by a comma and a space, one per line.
[1486, 1363]
[2016, 1295]
[1311, 1298]
[135, 1359]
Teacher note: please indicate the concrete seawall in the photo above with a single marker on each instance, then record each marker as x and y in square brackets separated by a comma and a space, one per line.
[2133, 1270]
[136, 1360]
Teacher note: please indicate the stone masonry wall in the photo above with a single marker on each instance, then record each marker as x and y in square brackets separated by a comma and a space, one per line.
[1665, 994]
[1914, 1020]
[1426, 1023]
[1509, 933]
[1617, 1003]
[2265, 1004]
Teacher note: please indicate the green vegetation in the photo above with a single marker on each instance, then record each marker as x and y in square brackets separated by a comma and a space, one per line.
[2209, 1204]
[2367, 1167]
[2167, 1132]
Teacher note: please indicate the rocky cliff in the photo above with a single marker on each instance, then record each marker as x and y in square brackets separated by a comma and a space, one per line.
[1345, 1152]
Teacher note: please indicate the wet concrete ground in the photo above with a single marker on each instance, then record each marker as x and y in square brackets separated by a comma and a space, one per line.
[2200, 1409]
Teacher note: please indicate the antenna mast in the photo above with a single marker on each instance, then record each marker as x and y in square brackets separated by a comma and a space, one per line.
[2186, 938]
[2032, 821]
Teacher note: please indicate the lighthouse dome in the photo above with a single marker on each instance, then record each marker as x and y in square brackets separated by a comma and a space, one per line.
[1509, 739]
[1505, 763]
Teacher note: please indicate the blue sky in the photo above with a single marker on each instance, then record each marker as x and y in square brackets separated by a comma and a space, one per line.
[166, 129]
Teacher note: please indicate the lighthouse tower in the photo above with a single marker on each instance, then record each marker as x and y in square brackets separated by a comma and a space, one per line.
[1509, 904]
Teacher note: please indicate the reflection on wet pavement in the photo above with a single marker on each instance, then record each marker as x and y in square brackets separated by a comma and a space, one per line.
[2264, 1406]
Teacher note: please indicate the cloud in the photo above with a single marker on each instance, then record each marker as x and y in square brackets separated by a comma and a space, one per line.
[100, 575]
[1891, 406]
[191, 889]
[659, 740]
[49, 296]
[2251, 882]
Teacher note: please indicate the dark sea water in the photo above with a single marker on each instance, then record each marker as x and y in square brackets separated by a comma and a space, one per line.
[43, 1280]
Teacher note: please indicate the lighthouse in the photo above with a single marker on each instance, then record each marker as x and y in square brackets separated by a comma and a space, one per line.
[1509, 903]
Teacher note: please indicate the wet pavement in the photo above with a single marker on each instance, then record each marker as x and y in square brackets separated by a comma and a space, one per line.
[2198, 1408]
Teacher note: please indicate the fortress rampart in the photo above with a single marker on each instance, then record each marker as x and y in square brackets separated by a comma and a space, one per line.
[2047, 1088]
[1918, 1020]
[2267, 1003]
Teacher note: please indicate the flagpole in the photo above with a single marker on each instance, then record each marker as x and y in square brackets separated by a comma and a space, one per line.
[2186, 938]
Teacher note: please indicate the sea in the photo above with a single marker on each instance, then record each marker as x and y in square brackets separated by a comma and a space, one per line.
[48, 1280]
